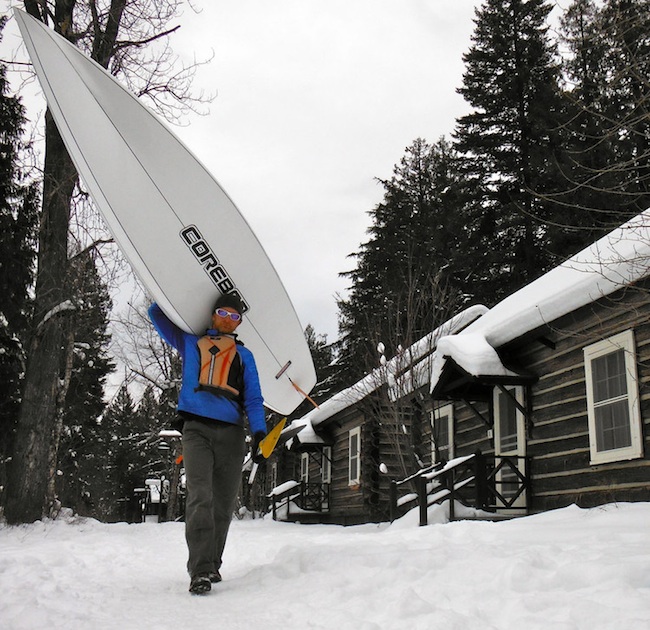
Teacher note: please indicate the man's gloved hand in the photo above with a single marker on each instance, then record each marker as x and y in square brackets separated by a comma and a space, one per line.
[257, 455]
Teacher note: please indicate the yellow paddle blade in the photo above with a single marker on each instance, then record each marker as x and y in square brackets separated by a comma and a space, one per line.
[268, 443]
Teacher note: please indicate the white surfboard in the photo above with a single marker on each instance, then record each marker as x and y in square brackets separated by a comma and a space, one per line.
[181, 233]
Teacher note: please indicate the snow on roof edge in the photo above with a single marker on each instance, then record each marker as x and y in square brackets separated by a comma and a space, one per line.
[614, 261]
[379, 376]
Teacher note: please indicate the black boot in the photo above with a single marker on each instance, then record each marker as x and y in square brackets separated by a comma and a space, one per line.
[200, 584]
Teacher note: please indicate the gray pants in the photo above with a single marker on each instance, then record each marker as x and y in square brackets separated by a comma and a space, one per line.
[213, 455]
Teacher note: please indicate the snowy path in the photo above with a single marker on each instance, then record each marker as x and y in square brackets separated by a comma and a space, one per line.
[570, 569]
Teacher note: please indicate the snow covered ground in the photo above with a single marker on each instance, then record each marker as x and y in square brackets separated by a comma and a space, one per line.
[564, 570]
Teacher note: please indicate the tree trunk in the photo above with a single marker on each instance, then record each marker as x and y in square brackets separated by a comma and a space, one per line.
[29, 468]
[52, 503]
[44, 384]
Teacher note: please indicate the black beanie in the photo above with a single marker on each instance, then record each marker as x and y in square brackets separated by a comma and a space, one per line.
[230, 300]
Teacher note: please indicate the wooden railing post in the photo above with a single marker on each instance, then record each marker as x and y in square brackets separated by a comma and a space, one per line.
[480, 474]
[527, 484]
[392, 500]
[421, 489]
[450, 484]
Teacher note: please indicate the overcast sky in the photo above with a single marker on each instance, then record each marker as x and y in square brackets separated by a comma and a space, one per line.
[314, 100]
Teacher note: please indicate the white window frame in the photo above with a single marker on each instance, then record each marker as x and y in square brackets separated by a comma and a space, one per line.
[354, 457]
[519, 446]
[304, 467]
[622, 341]
[438, 414]
[326, 465]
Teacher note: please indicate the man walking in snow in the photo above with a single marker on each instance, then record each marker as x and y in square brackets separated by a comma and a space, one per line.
[220, 387]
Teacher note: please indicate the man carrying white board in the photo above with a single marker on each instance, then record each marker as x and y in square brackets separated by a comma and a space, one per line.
[220, 387]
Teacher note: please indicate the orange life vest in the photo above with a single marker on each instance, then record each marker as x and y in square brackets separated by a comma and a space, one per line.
[221, 367]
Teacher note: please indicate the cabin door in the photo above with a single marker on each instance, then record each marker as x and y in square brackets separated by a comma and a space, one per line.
[510, 445]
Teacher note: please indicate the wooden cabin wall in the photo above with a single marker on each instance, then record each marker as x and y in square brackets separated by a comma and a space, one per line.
[558, 435]
[471, 432]
[399, 440]
[346, 501]
[557, 430]
[386, 438]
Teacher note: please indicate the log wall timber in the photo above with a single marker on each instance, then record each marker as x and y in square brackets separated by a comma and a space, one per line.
[558, 440]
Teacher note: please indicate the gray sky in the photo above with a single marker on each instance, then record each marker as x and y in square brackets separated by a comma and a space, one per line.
[314, 100]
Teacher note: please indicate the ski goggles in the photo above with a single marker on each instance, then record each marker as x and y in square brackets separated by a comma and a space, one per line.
[224, 313]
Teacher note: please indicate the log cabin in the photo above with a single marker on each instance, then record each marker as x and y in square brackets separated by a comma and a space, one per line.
[539, 402]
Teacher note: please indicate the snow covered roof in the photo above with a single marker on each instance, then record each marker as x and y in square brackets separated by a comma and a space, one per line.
[616, 260]
[170, 433]
[473, 353]
[303, 431]
[472, 337]
[386, 373]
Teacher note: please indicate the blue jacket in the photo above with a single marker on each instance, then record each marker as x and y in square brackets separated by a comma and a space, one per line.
[204, 403]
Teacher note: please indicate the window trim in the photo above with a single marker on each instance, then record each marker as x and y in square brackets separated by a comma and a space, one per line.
[326, 465]
[274, 474]
[520, 450]
[304, 467]
[622, 341]
[438, 414]
[357, 456]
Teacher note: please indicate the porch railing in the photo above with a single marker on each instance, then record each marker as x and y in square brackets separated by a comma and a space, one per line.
[299, 498]
[314, 496]
[491, 483]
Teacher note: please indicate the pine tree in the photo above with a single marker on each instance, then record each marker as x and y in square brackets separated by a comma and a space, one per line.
[322, 354]
[151, 417]
[123, 449]
[627, 24]
[584, 166]
[18, 223]
[409, 273]
[106, 467]
[90, 366]
[509, 143]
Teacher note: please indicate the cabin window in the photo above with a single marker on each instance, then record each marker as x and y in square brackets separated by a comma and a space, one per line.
[507, 421]
[442, 428]
[354, 458]
[304, 467]
[613, 399]
[326, 465]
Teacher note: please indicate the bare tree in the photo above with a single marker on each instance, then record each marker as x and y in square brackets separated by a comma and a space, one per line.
[393, 396]
[400, 407]
[605, 172]
[119, 35]
[146, 358]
